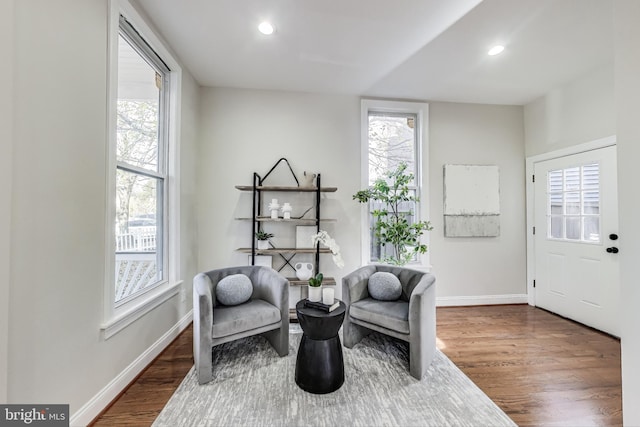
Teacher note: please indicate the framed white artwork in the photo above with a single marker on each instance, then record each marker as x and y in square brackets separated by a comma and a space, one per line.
[303, 236]
[471, 201]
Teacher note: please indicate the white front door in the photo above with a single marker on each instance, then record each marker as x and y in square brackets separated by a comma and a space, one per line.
[576, 226]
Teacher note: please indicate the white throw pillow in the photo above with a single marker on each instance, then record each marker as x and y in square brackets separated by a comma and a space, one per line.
[384, 286]
[234, 289]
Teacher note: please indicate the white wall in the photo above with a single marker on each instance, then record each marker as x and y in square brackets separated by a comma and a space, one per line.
[603, 103]
[580, 111]
[479, 135]
[6, 150]
[245, 131]
[627, 70]
[248, 130]
[56, 352]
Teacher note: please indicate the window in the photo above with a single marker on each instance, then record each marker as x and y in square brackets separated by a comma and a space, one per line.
[141, 133]
[142, 188]
[393, 133]
[573, 204]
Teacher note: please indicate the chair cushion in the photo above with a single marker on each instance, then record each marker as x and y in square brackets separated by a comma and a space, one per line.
[392, 315]
[256, 313]
[234, 289]
[384, 286]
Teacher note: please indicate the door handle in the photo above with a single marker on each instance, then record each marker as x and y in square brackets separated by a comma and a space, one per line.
[613, 236]
[613, 250]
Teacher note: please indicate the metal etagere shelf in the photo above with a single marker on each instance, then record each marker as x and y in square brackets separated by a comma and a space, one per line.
[286, 254]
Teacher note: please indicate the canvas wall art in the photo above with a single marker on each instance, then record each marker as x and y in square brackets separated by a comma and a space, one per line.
[471, 201]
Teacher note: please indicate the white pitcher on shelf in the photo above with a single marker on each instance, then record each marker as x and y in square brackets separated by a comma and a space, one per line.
[304, 270]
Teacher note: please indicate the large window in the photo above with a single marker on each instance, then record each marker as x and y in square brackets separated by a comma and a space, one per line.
[393, 133]
[141, 142]
[143, 205]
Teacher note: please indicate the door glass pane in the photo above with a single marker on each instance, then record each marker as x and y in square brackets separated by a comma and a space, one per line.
[573, 227]
[556, 204]
[555, 181]
[556, 227]
[591, 177]
[591, 202]
[574, 203]
[591, 229]
[572, 179]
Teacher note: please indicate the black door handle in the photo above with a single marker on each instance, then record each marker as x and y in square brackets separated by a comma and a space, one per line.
[613, 236]
[612, 250]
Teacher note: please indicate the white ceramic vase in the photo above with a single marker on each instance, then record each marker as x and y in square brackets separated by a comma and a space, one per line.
[315, 293]
[263, 244]
[304, 270]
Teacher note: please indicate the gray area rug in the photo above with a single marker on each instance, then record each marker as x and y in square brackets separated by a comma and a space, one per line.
[252, 386]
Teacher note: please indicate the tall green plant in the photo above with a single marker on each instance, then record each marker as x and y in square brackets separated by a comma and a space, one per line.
[391, 226]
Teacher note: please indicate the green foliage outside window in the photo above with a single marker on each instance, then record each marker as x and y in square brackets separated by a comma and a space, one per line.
[391, 224]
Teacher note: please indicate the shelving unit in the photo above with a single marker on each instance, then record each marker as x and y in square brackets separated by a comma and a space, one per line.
[287, 254]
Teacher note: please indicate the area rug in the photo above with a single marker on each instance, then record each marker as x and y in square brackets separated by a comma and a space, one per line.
[252, 386]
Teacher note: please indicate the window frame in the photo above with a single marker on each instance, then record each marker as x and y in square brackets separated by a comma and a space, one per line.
[421, 111]
[118, 315]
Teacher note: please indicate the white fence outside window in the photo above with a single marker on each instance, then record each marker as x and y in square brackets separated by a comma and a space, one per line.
[135, 260]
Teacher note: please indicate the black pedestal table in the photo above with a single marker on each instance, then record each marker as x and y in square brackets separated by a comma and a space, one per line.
[319, 364]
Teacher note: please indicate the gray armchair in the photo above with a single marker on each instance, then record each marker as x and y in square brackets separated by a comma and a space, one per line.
[266, 313]
[411, 318]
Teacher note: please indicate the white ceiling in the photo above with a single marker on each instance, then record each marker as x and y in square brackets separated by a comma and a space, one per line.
[411, 49]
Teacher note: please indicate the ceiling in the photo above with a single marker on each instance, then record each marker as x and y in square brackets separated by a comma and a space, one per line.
[433, 50]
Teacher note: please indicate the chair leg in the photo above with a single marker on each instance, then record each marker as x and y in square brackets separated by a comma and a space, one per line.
[204, 365]
[353, 333]
[420, 357]
[279, 339]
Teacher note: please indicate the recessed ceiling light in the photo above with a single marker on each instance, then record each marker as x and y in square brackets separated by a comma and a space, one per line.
[495, 50]
[266, 28]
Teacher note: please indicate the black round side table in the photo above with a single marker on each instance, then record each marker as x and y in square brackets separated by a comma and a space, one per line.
[319, 364]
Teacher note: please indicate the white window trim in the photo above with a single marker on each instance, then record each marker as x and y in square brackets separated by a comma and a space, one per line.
[116, 318]
[421, 110]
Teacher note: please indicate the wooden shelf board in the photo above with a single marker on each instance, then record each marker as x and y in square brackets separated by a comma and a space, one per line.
[285, 250]
[327, 281]
[284, 188]
[292, 220]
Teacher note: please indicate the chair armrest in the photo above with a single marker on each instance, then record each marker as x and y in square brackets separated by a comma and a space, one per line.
[203, 300]
[422, 289]
[270, 286]
[354, 285]
[202, 315]
[422, 298]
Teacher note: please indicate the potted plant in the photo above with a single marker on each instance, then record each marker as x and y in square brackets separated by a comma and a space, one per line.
[315, 287]
[315, 283]
[263, 239]
[391, 226]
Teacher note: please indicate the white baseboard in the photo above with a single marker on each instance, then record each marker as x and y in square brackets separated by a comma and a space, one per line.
[93, 407]
[481, 300]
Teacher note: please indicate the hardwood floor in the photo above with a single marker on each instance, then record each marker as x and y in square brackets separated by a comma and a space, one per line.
[541, 369]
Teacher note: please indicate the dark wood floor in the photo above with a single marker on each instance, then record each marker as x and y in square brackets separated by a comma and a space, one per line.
[541, 369]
